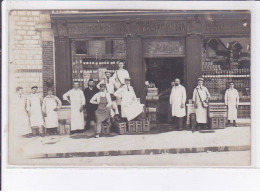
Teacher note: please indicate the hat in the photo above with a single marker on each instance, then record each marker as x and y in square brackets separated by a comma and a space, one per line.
[127, 78]
[200, 79]
[102, 85]
[107, 72]
[34, 87]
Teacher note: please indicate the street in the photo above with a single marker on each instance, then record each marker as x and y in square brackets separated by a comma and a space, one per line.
[238, 158]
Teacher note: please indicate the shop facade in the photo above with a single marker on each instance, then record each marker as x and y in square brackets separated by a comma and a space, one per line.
[157, 47]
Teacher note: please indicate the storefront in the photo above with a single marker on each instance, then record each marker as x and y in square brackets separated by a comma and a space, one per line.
[157, 47]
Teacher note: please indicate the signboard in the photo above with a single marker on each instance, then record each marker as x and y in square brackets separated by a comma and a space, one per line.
[169, 48]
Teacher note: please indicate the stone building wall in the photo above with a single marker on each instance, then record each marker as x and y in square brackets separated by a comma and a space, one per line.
[31, 60]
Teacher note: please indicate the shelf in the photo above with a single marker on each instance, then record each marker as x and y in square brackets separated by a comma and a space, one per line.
[225, 76]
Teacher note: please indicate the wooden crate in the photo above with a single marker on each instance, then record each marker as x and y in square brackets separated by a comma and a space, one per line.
[222, 123]
[120, 127]
[152, 116]
[146, 125]
[64, 127]
[138, 126]
[213, 123]
[105, 129]
[217, 114]
[131, 126]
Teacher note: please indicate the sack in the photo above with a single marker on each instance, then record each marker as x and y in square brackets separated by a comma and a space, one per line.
[205, 104]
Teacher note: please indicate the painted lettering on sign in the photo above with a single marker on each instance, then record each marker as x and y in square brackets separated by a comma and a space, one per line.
[162, 26]
[166, 47]
[97, 28]
[227, 26]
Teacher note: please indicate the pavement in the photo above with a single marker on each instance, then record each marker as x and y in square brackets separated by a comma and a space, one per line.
[171, 142]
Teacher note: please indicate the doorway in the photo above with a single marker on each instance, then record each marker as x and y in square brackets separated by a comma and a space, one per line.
[162, 71]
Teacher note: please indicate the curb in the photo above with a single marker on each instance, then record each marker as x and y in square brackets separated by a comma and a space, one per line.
[143, 152]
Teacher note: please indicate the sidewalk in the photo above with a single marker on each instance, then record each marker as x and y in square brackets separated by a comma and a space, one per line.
[78, 145]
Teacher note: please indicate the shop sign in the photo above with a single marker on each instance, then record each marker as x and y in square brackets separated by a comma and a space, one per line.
[164, 48]
[226, 27]
[151, 27]
[97, 28]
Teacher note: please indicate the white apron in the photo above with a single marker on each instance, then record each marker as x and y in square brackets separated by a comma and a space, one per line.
[19, 119]
[34, 107]
[200, 111]
[49, 104]
[177, 98]
[232, 100]
[77, 100]
[130, 107]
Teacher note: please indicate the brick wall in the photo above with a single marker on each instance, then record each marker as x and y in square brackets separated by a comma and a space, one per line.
[48, 66]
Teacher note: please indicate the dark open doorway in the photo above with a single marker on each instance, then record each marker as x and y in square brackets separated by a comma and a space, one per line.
[162, 71]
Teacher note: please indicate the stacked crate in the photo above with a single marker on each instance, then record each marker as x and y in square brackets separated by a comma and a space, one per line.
[146, 126]
[105, 129]
[138, 126]
[120, 127]
[131, 126]
[152, 99]
[217, 115]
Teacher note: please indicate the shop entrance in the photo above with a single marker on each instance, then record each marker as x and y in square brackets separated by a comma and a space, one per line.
[162, 71]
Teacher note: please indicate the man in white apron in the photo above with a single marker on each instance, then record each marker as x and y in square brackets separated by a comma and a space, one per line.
[177, 101]
[76, 99]
[201, 95]
[232, 100]
[20, 124]
[34, 109]
[50, 106]
[110, 88]
[131, 108]
[119, 80]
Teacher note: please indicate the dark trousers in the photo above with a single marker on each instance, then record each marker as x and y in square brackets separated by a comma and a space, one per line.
[90, 117]
[179, 123]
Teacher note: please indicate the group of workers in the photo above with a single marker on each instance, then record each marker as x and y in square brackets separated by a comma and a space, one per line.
[200, 100]
[113, 97]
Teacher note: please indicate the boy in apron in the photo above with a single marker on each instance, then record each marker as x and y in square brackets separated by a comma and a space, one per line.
[50, 106]
[103, 100]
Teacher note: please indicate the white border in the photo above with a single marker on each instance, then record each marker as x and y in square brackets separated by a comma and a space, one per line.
[133, 178]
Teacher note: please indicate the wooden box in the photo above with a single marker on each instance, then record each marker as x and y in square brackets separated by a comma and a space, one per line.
[152, 116]
[131, 126]
[146, 125]
[213, 123]
[64, 127]
[120, 127]
[105, 129]
[217, 114]
[138, 126]
[221, 123]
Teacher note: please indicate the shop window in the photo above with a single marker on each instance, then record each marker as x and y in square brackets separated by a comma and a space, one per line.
[91, 58]
[225, 60]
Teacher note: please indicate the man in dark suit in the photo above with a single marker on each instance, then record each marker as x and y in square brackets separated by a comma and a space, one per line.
[89, 92]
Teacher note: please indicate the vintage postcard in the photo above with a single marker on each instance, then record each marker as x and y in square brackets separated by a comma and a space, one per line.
[129, 87]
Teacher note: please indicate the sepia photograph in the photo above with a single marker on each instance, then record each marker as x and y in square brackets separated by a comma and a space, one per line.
[129, 88]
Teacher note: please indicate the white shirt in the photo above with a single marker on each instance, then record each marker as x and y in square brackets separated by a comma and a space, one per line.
[119, 77]
[110, 85]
